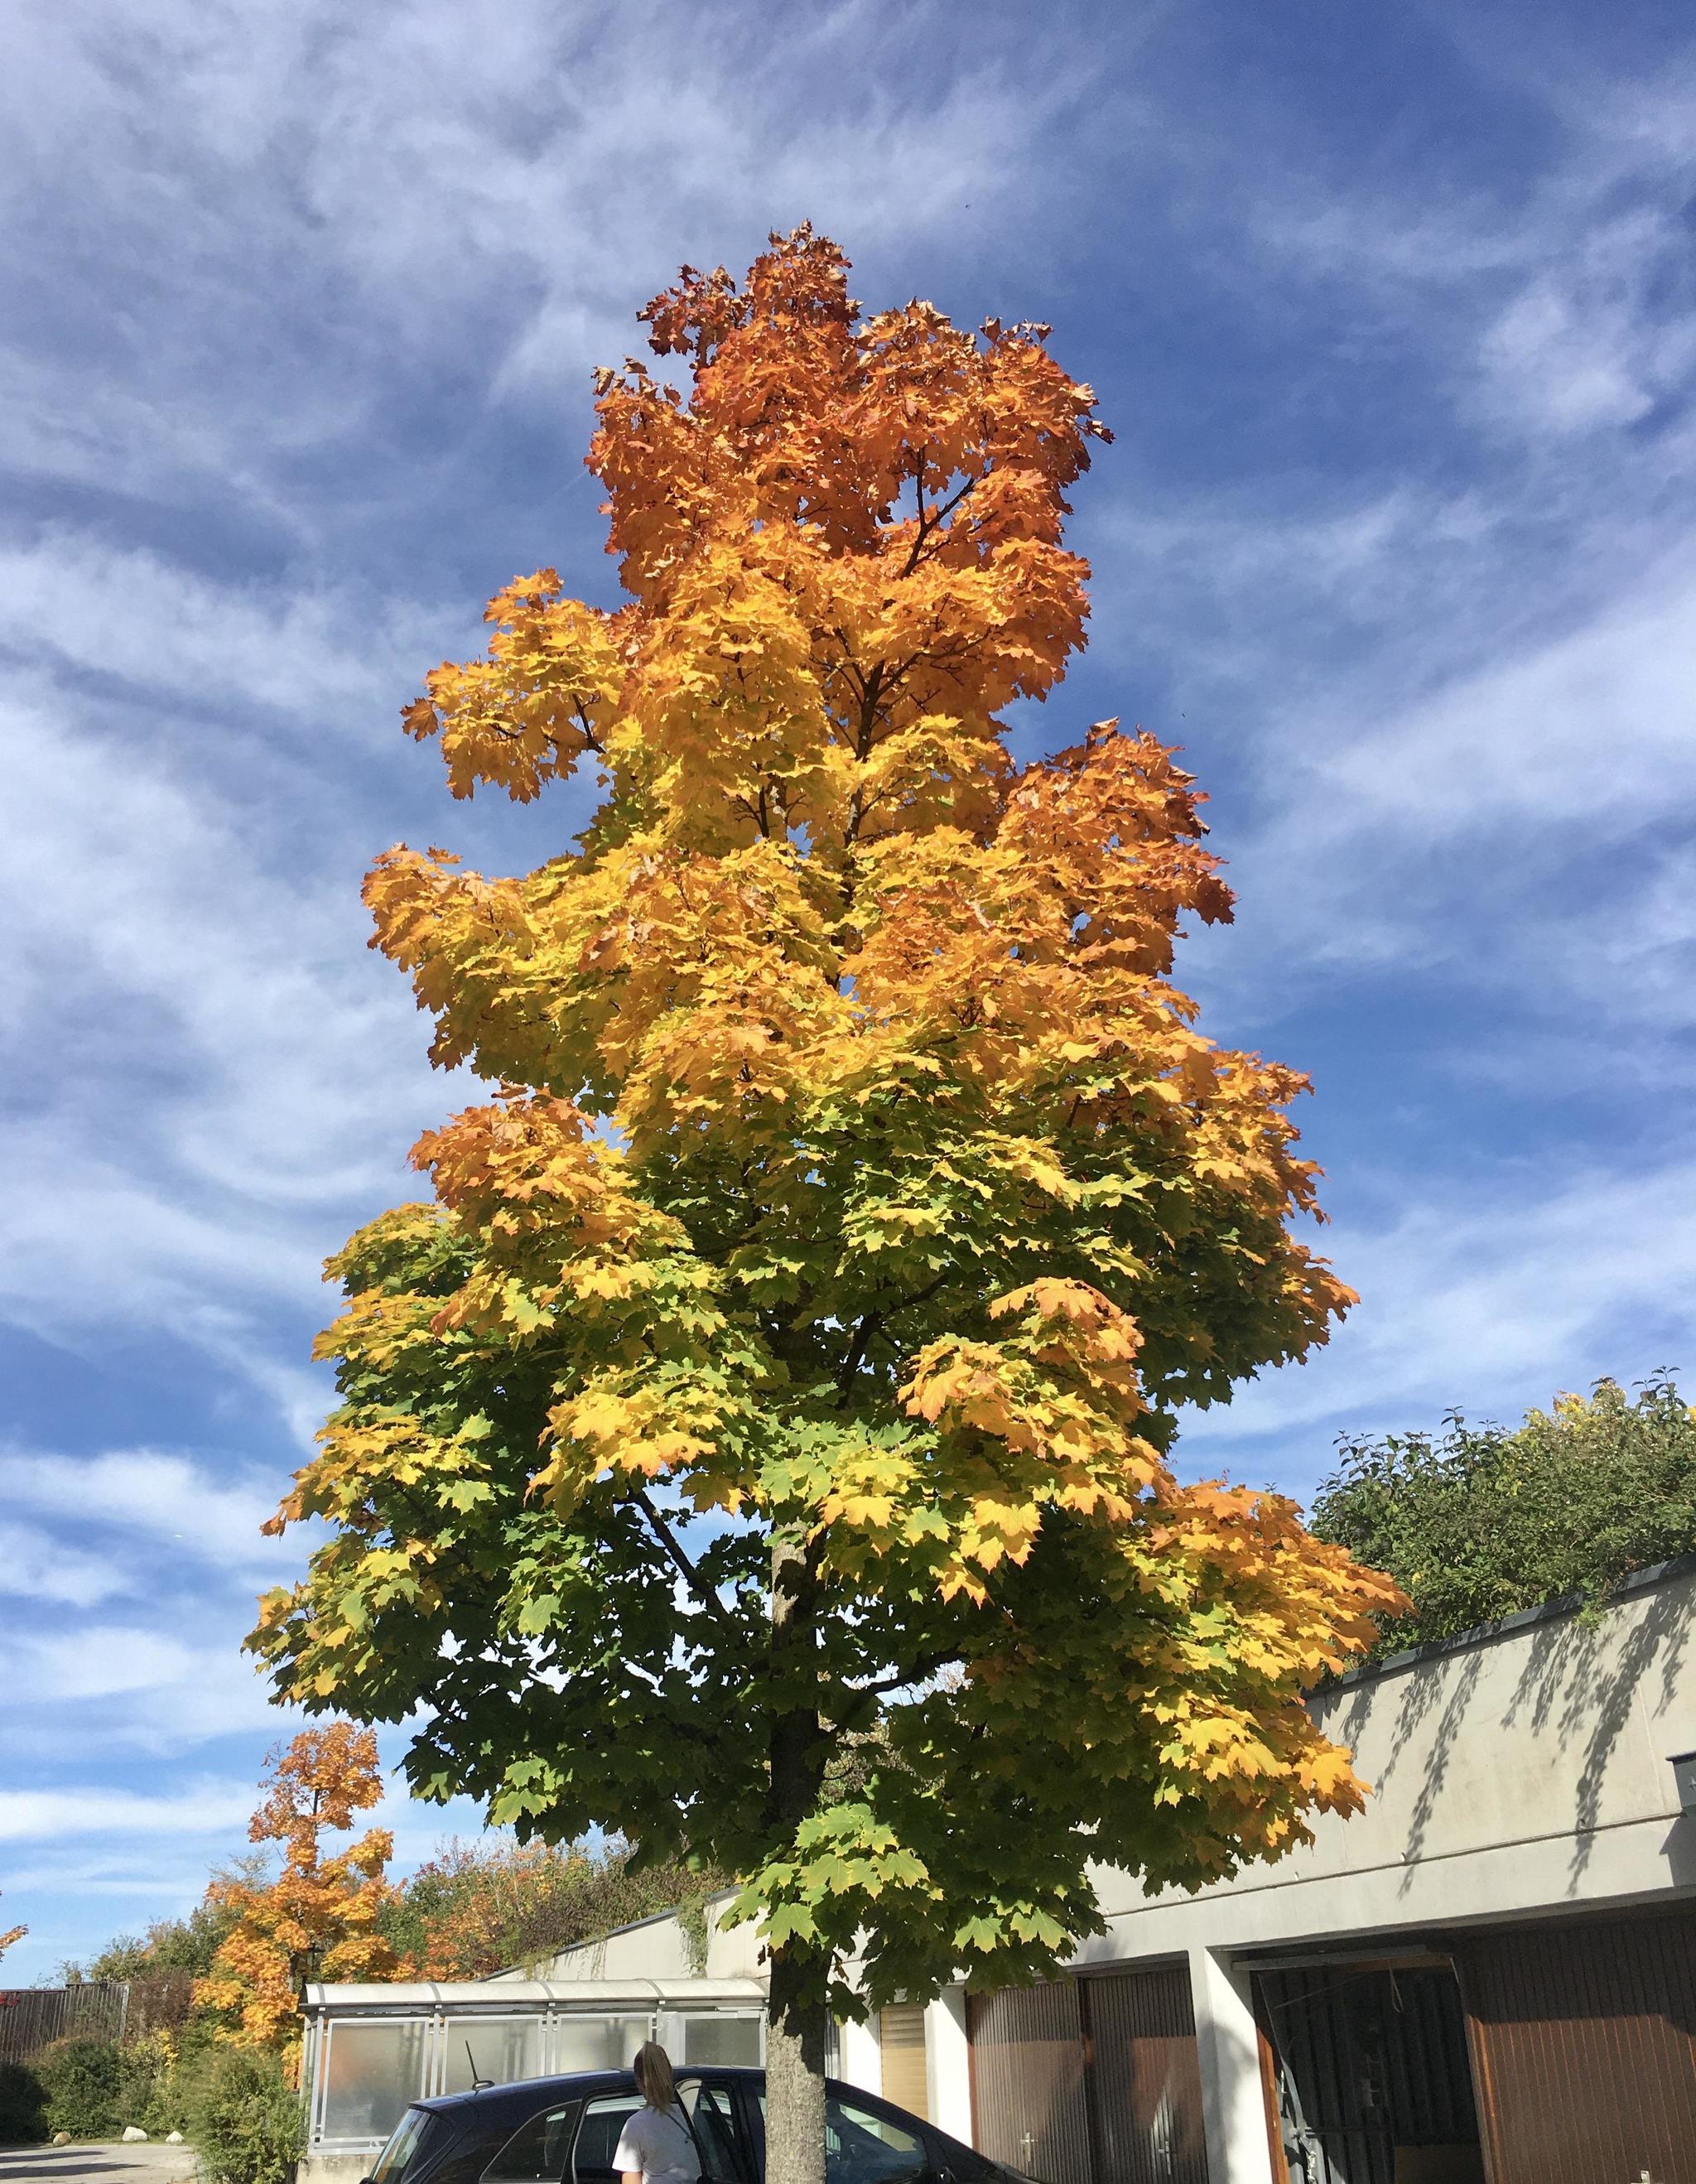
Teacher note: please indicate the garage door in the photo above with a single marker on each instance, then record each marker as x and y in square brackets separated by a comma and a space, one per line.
[1027, 2087]
[1584, 2049]
[1144, 2078]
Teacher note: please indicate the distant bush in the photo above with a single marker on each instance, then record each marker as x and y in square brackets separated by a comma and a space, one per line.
[84, 2083]
[244, 2117]
[23, 2106]
[479, 1907]
[1482, 1521]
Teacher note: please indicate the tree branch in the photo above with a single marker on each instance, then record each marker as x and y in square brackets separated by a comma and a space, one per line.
[691, 1576]
[920, 1672]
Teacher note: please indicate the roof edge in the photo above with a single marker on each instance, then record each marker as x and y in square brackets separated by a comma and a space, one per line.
[1649, 1579]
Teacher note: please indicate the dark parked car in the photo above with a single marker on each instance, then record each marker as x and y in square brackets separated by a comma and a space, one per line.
[565, 2131]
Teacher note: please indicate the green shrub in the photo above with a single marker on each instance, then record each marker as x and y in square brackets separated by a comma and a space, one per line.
[244, 2118]
[23, 2106]
[152, 2094]
[84, 2082]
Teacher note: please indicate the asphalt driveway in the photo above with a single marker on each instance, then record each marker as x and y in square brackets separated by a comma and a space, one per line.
[113, 2164]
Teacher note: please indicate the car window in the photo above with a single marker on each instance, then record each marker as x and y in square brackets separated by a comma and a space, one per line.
[598, 2136]
[712, 2111]
[535, 2152]
[951, 2158]
[862, 2146]
[392, 2161]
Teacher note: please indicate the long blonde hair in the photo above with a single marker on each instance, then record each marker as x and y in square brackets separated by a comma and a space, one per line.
[653, 2079]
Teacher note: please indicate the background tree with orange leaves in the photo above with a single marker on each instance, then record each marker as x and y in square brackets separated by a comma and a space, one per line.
[321, 1912]
[795, 1340]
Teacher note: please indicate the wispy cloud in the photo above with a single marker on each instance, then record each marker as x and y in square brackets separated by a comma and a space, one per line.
[147, 1494]
[1494, 1295]
[209, 1807]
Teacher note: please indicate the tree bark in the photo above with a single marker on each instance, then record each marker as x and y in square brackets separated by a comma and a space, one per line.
[797, 2018]
[794, 2073]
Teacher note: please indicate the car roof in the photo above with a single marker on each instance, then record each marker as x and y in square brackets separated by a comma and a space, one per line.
[529, 2093]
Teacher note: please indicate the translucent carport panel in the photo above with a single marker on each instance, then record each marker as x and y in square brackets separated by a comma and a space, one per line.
[499, 2050]
[723, 2037]
[372, 2068]
[598, 2043]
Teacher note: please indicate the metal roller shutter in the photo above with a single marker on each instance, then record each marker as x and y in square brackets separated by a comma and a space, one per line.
[1584, 2049]
[901, 2044]
[1144, 2077]
[1028, 2104]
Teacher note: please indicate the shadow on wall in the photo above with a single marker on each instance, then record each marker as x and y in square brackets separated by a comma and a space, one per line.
[1422, 1696]
[1568, 1681]
[1579, 1682]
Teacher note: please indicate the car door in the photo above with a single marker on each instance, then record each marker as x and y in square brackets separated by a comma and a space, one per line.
[537, 2150]
[711, 2104]
[867, 2141]
[604, 2117]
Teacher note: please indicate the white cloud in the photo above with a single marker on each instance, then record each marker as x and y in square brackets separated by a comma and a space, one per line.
[1493, 1294]
[99, 1663]
[326, 655]
[353, 197]
[1553, 311]
[37, 1565]
[151, 1497]
[209, 1808]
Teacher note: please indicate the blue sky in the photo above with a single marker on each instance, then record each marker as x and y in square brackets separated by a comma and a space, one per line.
[1392, 310]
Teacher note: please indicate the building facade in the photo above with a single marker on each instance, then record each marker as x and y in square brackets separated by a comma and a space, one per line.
[1488, 1977]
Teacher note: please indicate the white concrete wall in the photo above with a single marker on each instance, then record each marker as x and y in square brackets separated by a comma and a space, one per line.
[658, 1948]
[859, 2061]
[1525, 1774]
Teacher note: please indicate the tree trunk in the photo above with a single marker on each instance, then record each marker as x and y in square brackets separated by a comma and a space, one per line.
[794, 2073]
[797, 2019]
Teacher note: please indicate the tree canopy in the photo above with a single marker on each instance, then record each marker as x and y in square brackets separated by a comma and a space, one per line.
[794, 1341]
[1480, 1521]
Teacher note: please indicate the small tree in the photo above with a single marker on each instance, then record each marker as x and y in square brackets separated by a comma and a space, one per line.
[1481, 1521]
[793, 1344]
[326, 1905]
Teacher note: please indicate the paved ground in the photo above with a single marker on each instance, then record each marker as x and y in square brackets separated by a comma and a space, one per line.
[112, 2164]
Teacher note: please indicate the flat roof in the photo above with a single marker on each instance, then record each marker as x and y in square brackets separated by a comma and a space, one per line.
[494, 1996]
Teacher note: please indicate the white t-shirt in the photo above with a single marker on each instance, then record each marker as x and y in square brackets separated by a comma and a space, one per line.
[660, 2146]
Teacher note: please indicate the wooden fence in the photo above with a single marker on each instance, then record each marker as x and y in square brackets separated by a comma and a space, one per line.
[32, 2018]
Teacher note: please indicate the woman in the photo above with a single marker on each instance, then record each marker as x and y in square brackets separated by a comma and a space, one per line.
[657, 2146]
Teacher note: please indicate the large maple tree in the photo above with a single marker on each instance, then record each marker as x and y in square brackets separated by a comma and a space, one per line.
[760, 1443]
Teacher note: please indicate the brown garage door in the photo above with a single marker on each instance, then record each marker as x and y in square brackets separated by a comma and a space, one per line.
[1584, 2049]
[1028, 2091]
[1144, 2079]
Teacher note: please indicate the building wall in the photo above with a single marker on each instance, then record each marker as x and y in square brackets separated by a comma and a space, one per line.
[1525, 1773]
[661, 1948]
[1523, 1777]
[1517, 1778]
